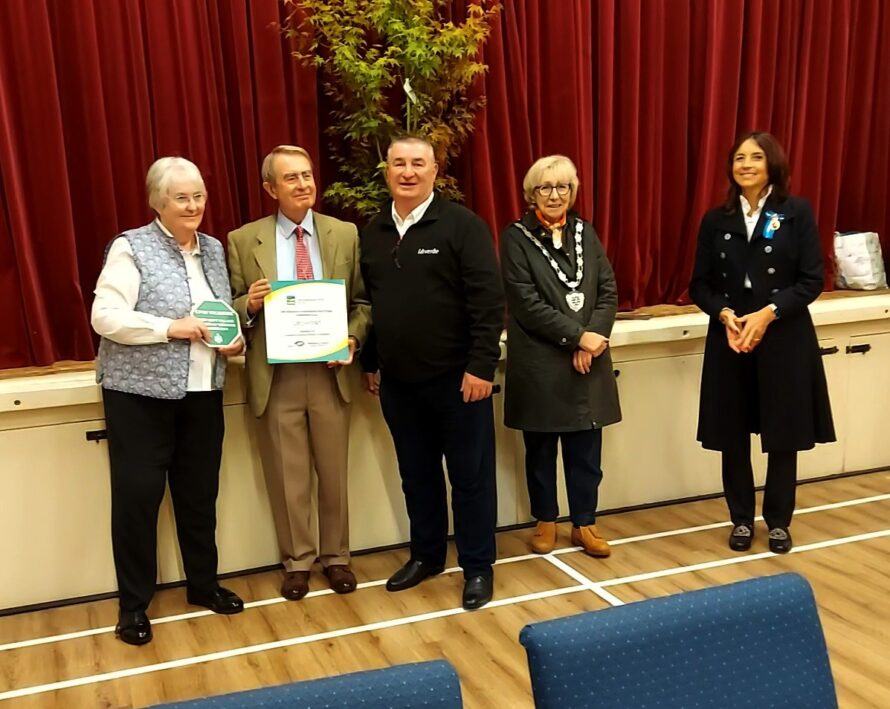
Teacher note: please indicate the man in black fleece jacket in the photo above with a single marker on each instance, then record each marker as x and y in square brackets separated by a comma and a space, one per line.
[437, 305]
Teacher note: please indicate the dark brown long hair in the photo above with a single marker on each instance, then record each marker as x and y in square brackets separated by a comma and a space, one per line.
[776, 168]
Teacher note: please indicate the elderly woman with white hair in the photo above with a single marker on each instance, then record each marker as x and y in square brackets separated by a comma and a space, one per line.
[162, 389]
[560, 386]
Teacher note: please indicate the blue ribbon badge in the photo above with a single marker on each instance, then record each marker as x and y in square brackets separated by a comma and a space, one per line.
[773, 222]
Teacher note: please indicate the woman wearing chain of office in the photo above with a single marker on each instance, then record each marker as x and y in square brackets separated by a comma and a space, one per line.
[560, 385]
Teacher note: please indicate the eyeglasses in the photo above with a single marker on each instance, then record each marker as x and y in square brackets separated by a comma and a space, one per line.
[184, 199]
[562, 189]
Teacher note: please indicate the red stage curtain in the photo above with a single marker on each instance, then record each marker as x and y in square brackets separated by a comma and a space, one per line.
[90, 94]
[645, 95]
[648, 95]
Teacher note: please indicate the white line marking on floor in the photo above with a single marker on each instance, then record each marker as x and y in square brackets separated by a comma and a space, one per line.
[382, 625]
[636, 578]
[718, 525]
[369, 584]
[276, 645]
[838, 505]
[581, 578]
[168, 619]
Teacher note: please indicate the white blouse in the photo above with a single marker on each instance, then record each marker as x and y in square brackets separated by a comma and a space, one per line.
[752, 219]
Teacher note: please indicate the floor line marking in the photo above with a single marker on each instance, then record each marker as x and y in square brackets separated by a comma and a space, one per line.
[276, 645]
[591, 585]
[718, 525]
[380, 582]
[167, 619]
[409, 620]
[636, 578]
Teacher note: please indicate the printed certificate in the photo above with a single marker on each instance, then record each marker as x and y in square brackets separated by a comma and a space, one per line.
[306, 321]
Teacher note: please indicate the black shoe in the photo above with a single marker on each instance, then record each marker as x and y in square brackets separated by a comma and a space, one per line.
[477, 591]
[133, 627]
[412, 574]
[220, 600]
[780, 540]
[741, 537]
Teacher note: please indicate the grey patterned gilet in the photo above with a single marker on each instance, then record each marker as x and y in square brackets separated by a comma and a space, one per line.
[161, 370]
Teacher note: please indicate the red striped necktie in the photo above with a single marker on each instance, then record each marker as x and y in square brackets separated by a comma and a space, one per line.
[304, 263]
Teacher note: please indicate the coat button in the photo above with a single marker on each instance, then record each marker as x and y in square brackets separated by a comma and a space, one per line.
[722, 254]
[767, 249]
[563, 340]
[770, 270]
[774, 291]
[727, 237]
[726, 295]
[723, 274]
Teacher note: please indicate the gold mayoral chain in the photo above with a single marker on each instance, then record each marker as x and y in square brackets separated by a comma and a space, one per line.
[574, 298]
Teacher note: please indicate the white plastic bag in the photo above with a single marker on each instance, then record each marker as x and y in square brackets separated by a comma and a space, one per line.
[860, 265]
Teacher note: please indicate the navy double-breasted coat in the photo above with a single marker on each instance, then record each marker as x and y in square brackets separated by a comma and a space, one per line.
[787, 401]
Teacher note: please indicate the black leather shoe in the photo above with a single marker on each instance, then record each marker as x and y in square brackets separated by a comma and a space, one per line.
[220, 600]
[477, 591]
[133, 627]
[412, 574]
[780, 540]
[741, 537]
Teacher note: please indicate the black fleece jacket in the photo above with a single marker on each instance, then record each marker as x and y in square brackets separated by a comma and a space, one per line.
[436, 296]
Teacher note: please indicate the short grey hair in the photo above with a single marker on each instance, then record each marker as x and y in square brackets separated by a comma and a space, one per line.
[268, 170]
[161, 172]
[564, 170]
[408, 138]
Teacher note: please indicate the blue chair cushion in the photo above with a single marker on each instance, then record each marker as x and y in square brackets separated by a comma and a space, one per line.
[756, 643]
[431, 685]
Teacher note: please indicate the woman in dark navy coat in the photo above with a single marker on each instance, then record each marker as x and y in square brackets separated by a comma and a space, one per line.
[758, 265]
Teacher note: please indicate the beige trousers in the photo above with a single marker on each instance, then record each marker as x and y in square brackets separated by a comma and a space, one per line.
[306, 427]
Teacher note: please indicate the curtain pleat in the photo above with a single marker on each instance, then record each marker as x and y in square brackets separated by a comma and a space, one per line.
[646, 96]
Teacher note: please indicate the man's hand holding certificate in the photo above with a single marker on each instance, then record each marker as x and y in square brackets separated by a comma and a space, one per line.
[306, 321]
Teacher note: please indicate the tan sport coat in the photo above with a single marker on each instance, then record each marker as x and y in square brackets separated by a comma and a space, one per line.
[252, 256]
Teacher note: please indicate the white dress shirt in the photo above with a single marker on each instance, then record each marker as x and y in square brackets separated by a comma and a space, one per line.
[114, 315]
[752, 219]
[414, 216]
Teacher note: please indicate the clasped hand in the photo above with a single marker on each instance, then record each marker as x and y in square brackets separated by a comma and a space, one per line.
[745, 333]
[591, 345]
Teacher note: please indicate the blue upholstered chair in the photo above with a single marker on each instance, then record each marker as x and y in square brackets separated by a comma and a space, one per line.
[756, 644]
[431, 685]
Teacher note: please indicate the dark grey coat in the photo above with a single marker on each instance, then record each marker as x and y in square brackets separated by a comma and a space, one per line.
[779, 389]
[543, 392]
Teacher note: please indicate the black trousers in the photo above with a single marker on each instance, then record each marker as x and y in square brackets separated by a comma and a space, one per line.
[581, 456]
[150, 441]
[429, 420]
[738, 485]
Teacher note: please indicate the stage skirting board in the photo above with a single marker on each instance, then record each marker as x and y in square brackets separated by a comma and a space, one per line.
[55, 539]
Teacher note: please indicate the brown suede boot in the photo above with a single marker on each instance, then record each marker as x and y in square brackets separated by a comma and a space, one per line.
[545, 538]
[589, 538]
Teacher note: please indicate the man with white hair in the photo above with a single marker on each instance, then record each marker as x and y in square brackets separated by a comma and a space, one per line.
[437, 302]
[302, 409]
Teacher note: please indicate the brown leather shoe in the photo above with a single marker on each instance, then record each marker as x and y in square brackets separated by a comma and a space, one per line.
[341, 578]
[589, 538]
[545, 538]
[295, 585]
